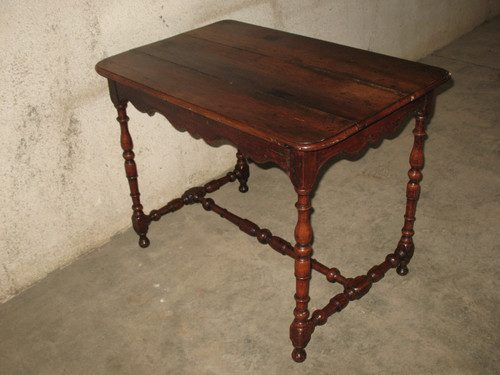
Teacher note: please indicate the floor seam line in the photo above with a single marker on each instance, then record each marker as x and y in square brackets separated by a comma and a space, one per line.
[466, 62]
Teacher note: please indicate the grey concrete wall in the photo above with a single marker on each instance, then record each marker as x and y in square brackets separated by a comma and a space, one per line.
[63, 186]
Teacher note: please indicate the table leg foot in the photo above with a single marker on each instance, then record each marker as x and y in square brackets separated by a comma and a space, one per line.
[140, 223]
[300, 335]
[405, 254]
[402, 270]
[143, 241]
[299, 355]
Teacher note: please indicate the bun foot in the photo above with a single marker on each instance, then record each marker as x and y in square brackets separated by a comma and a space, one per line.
[402, 270]
[243, 188]
[143, 241]
[299, 355]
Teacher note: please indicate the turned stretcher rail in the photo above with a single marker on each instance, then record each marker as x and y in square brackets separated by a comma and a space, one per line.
[354, 288]
[188, 196]
[264, 236]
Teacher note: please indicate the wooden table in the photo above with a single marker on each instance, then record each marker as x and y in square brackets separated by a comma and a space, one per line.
[281, 98]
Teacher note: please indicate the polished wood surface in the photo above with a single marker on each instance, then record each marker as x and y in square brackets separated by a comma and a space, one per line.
[284, 88]
[284, 98]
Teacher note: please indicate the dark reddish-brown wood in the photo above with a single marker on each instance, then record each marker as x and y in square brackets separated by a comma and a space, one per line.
[139, 220]
[284, 98]
[242, 171]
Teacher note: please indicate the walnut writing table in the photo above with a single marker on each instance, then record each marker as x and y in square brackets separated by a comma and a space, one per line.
[284, 98]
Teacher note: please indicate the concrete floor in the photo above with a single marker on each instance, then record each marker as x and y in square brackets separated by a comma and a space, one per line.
[205, 298]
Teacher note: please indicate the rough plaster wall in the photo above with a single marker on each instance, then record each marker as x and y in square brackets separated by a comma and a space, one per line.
[409, 29]
[63, 185]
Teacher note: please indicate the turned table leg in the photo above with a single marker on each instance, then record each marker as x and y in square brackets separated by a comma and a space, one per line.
[300, 329]
[139, 220]
[242, 172]
[405, 246]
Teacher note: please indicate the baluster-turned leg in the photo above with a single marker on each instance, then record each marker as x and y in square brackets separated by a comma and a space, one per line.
[300, 329]
[242, 172]
[405, 246]
[139, 220]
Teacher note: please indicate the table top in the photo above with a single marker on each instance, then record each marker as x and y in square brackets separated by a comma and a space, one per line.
[287, 89]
